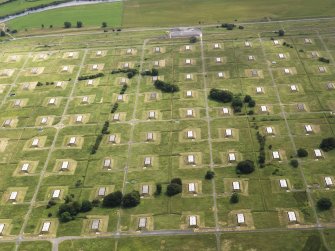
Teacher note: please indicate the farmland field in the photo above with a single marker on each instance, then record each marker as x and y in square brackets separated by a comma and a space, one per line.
[49, 117]
[92, 15]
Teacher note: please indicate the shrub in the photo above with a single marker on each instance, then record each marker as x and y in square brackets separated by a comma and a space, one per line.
[209, 175]
[86, 206]
[302, 153]
[328, 144]
[158, 189]
[2, 33]
[166, 87]
[173, 189]
[176, 181]
[221, 95]
[252, 103]
[104, 25]
[281, 33]
[131, 199]
[79, 24]
[237, 104]
[294, 163]
[247, 99]
[234, 198]
[245, 167]
[193, 40]
[324, 60]
[324, 204]
[65, 217]
[112, 200]
[67, 25]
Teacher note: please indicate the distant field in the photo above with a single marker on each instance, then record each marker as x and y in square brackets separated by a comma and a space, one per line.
[16, 6]
[92, 15]
[178, 12]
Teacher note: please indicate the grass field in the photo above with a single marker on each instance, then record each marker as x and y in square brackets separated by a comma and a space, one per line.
[191, 12]
[92, 15]
[16, 6]
[262, 201]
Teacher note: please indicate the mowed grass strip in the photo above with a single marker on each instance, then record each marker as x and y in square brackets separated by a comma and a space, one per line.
[90, 15]
[180, 12]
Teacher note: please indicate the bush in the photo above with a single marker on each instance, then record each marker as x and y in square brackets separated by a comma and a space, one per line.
[173, 189]
[112, 200]
[302, 153]
[166, 87]
[324, 204]
[96, 203]
[65, 217]
[294, 163]
[158, 189]
[281, 33]
[328, 144]
[72, 207]
[209, 175]
[324, 60]
[245, 167]
[252, 103]
[221, 95]
[234, 198]
[193, 40]
[104, 25]
[131, 199]
[67, 25]
[86, 206]
[79, 24]
[247, 99]
[237, 104]
[176, 181]
[2, 33]
[98, 75]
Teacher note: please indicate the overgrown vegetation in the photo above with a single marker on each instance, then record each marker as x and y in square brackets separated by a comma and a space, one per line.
[261, 140]
[98, 75]
[98, 140]
[245, 167]
[328, 144]
[166, 87]
[130, 72]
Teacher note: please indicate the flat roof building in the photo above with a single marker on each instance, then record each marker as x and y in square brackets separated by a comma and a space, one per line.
[291, 216]
[2, 228]
[189, 94]
[317, 153]
[95, 225]
[231, 157]
[269, 130]
[35, 142]
[13, 196]
[191, 187]
[25, 167]
[190, 135]
[145, 190]
[283, 183]
[150, 136]
[276, 155]
[240, 218]
[328, 181]
[56, 194]
[46, 226]
[107, 163]
[72, 141]
[308, 128]
[236, 186]
[142, 222]
[102, 191]
[190, 159]
[147, 161]
[65, 166]
[192, 221]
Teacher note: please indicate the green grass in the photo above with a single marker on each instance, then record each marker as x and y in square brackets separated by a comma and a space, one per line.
[90, 15]
[16, 6]
[181, 12]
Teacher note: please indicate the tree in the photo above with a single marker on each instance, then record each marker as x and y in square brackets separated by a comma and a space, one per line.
[252, 103]
[67, 24]
[176, 181]
[173, 189]
[281, 33]
[104, 25]
[113, 199]
[131, 199]
[237, 104]
[223, 96]
[324, 204]
[245, 167]
[79, 24]
[86, 206]
[234, 198]
[193, 40]
[65, 217]
[209, 175]
[166, 87]
[42, 26]
[247, 98]
[154, 72]
[158, 189]
[294, 163]
[328, 144]
[302, 153]
[2, 33]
